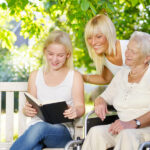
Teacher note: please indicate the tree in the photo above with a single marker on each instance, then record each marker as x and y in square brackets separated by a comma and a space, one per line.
[39, 17]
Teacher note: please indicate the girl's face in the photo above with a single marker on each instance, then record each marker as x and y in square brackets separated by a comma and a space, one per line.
[98, 42]
[56, 56]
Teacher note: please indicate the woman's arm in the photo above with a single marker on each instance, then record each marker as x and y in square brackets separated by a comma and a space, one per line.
[78, 98]
[103, 78]
[144, 120]
[28, 110]
[100, 108]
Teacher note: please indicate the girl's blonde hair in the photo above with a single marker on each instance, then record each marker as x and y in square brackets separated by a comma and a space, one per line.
[100, 23]
[63, 38]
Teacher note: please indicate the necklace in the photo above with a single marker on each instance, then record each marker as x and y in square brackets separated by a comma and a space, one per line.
[137, 74]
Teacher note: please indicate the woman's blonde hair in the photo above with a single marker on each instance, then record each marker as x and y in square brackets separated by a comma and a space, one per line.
[63, 38]
[103, 24]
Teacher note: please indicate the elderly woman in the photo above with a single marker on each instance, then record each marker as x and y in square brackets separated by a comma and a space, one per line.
[106, 51]
[129, 93]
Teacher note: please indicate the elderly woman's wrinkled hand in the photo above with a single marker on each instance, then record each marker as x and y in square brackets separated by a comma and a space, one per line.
[100, 107]
[119, 125]
[29, 111]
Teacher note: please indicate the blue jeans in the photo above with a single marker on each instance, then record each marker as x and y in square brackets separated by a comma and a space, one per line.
[42, 134]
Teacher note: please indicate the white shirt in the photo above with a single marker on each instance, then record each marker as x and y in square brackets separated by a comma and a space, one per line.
[61, 92]
[131, 100]
[115, 68]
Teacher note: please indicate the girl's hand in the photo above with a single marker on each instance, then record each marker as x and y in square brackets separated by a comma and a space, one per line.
[100, 107]
[70, 113]
[29, 111]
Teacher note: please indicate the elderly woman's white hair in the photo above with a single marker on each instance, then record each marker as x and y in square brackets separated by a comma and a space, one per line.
[143, 41]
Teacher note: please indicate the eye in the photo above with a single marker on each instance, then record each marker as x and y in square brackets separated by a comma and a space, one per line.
[61, 55]
[99, 36]
[50, 54]
[89, 38]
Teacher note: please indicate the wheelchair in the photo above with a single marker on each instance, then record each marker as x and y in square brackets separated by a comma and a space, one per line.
[145, 146]
[90, 122]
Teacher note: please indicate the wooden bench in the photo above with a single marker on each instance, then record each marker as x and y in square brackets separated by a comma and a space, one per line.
[9, 118]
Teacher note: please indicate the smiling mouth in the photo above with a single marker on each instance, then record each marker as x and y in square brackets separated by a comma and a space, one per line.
[128, 59]
[54, 64]
[96, 47]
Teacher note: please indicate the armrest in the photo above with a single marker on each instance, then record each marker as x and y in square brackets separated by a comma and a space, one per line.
[85, 122]
[144, 145]
[90, 122]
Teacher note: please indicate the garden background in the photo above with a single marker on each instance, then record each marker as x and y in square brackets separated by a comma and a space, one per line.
[25, 24]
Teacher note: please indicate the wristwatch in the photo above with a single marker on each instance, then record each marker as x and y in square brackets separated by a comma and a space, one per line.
[138, 123]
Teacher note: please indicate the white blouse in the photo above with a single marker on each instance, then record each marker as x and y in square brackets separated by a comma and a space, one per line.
[131, 100]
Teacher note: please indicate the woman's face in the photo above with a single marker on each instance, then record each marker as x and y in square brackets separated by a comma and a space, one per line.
[98, 42]
[56, 55]
[133, 54]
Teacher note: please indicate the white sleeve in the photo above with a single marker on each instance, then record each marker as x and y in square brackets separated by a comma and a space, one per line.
[111, 91]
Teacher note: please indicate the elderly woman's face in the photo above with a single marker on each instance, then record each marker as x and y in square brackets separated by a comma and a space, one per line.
[133, 54]
[98, 42]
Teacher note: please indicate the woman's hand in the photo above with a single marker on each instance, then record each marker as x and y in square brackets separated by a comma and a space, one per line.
[119, 125]
[100, 107]
[29, 111]
[70, 113]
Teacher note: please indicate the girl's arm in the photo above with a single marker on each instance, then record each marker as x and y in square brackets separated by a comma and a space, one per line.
[28, 110]
[31, 84]
[78, 109]
[103, 78]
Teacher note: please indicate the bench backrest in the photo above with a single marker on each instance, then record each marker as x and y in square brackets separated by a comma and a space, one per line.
[10, 88]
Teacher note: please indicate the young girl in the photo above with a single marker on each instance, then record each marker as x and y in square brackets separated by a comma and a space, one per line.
[55, 81]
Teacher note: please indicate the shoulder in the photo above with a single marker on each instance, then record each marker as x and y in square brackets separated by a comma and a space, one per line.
[77, 75]
[123, 71]
[33, 73]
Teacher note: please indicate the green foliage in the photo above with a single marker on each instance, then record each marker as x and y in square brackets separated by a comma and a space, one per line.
[38, 18]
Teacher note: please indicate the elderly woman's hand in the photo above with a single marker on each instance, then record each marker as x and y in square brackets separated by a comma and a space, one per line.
[119, 125]
[100, 107]
[29, 111]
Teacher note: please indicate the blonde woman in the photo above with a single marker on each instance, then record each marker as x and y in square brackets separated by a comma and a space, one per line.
[55, 81]
[106, 51]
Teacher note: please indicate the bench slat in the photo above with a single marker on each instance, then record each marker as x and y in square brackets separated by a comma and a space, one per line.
[13, 86]
[9, 116]
[0, 117]
[5, 146]
[22, 120]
